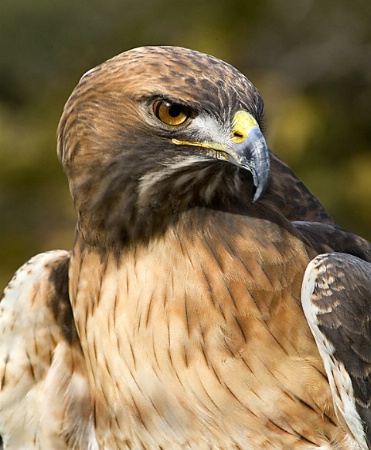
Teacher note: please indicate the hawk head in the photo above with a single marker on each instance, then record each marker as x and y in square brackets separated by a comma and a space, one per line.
[155, 132]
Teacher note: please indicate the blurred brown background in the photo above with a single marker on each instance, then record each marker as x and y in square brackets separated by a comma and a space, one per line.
[311, 61]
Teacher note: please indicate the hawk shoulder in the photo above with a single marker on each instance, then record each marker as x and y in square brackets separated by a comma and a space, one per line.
[44, 394]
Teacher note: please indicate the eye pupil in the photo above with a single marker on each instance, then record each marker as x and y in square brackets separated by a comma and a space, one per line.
[173, 114]
[174, 110]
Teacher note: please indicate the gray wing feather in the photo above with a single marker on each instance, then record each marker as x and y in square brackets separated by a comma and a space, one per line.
[336, 298]
[326, 238]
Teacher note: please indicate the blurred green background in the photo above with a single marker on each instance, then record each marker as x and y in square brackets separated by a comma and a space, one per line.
[310, 59]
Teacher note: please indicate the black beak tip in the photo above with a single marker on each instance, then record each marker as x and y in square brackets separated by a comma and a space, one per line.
[260, 162]
[260, 183]
[257, 195]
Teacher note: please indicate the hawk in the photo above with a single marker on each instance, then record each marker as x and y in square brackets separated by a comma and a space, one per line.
[176, 320]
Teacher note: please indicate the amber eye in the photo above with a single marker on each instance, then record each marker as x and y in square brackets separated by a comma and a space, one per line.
[171, 113]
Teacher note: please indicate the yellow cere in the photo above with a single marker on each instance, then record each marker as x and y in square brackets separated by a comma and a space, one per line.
[243, 122]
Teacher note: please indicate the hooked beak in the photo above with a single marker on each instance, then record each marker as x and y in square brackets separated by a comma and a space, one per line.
[250, 151]
[245, 148]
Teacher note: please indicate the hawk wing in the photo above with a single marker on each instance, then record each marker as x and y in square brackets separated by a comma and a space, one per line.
[288, 194]
[44, 394]
[336, 301]
[326, 238]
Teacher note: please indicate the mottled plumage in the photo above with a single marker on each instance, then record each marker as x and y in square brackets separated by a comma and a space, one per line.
[336, 301]
[179, 323]
[44, 393]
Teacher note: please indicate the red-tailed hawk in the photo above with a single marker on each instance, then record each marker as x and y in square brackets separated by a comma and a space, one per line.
[176, 321]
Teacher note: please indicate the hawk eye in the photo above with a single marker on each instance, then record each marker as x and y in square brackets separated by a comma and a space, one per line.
[172, 114]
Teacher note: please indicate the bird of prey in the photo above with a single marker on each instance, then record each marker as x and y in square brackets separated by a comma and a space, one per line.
[176, 320]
